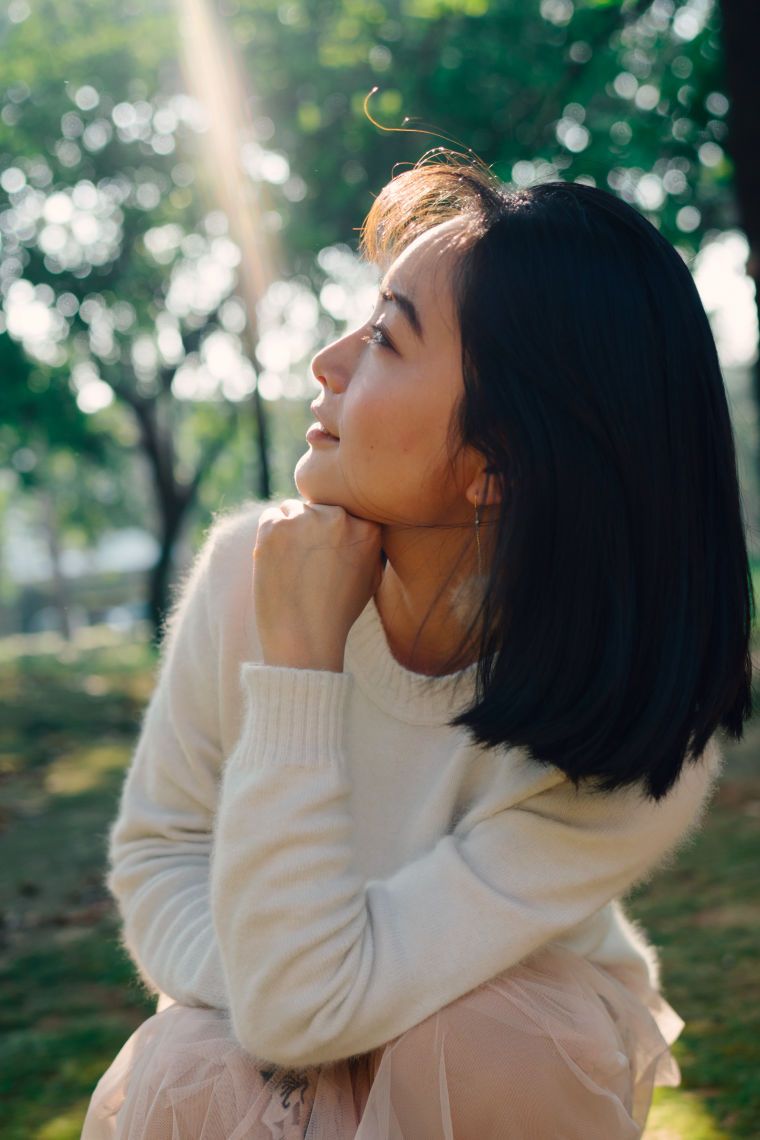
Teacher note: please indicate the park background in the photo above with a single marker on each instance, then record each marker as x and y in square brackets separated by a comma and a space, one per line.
[180, 190]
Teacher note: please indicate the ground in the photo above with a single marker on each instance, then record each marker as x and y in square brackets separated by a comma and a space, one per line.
[68, 994]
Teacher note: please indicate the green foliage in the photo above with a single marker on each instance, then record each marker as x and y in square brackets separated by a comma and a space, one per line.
[68, 996]
[37, 408]
[114, 276]
[616, 92]
[49, 443]
[707, 923]
[128, 276]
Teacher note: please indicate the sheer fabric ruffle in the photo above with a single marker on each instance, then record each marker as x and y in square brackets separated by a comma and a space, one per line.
[555, 1047]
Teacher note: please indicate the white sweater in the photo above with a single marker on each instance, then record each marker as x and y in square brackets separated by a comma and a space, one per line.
[323, 855]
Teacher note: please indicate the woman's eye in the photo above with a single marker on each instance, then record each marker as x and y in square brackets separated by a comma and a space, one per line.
[378, 335]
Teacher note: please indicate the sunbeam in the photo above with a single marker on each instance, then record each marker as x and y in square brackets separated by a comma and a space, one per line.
[213, 74]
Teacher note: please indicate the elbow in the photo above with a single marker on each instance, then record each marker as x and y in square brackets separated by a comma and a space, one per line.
[292, 1042]
[287, 1020]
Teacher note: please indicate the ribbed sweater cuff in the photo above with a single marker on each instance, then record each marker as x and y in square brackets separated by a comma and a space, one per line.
[294, 716]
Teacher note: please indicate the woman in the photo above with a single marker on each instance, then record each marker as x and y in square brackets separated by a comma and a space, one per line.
[385, 798]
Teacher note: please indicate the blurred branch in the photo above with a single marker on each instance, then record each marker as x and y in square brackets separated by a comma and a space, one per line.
[192, 338]
[212, 452]
[156, 445]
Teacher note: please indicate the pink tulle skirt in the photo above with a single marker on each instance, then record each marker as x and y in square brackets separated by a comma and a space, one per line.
[554, 1049]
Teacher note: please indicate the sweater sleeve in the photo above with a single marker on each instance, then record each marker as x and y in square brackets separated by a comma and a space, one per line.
[161, 842]
[320, 965]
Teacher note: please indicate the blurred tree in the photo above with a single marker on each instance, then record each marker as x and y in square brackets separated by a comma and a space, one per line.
[113, 272]
[112, 267]
[627, 93]
[59, 458]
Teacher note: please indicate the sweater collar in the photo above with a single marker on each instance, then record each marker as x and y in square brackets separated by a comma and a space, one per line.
[407, 696]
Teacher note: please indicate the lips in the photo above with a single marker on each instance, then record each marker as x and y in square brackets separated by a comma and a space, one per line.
[323, 427]
[317, 435]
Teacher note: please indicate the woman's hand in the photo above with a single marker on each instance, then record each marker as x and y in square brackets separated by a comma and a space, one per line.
[316, 567]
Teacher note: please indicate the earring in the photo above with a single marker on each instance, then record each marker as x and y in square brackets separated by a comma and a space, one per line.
[477, 538]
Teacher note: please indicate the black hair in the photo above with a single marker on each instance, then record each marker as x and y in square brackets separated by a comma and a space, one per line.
[614, 635]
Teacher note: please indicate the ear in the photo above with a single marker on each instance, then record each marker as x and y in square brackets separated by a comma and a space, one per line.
[484, 489]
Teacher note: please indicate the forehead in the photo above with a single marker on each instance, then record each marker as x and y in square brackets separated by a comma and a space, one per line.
[430, 258]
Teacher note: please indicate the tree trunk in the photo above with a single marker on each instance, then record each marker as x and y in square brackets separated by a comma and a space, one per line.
[262, 445]
[61, 596]
[172, 500]
[172, 513]
[741, 35]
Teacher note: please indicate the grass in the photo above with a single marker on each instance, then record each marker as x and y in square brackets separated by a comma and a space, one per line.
[703, 912]
[68, 994]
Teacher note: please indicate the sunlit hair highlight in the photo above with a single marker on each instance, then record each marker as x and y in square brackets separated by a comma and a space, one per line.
[440, 188]
[613, 637]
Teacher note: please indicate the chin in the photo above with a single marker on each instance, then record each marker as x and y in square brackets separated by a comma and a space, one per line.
[307, 481]
[317, 485]
[310, 486]
[298, 474]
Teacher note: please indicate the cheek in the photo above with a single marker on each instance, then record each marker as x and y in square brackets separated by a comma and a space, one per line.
[394, 419]
[396, 440]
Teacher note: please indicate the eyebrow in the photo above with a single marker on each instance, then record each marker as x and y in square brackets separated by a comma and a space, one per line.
[407, 308]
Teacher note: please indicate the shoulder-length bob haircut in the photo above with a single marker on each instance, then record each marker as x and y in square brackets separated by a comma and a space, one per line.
[613, 640]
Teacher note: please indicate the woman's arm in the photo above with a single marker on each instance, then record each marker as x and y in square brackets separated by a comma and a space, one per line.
[317, 963]
[161, 841]
[320, 965]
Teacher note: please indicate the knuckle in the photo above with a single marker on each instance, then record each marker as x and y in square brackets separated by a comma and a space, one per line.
[330, 512]
[290, 507]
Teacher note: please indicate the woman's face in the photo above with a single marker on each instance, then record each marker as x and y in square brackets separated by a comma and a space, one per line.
[380, 447]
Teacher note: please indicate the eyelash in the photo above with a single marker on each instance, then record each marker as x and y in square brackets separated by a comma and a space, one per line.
[378, 336]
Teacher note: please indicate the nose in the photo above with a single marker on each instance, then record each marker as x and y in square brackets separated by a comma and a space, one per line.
[333, 365]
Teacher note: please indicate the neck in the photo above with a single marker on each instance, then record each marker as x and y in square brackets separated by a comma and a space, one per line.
[420, 598]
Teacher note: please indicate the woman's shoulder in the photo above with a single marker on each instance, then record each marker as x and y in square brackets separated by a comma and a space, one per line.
[224, 558]
[219, 579]
[629, 815]
[234, 530]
